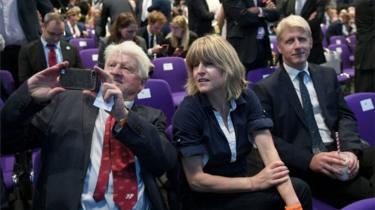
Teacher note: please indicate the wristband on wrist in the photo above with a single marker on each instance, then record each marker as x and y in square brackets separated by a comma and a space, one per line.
[297, 206]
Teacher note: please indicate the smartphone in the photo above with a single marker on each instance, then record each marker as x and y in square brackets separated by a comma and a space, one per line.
[79, 79]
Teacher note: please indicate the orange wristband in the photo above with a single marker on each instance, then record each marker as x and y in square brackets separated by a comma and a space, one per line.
[297, 206]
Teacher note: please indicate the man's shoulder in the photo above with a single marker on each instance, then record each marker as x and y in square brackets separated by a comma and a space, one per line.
[33, 44]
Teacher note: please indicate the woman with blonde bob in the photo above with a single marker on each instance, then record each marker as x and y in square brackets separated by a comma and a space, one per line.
[214, 130]
[180, 37]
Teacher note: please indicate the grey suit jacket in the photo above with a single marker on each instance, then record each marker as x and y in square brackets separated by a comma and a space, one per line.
[287, 7]
[63, 129]
[365, 21]
[112, 9]
[280, 101]
[29, 18]
[32, 59]
[242, 27]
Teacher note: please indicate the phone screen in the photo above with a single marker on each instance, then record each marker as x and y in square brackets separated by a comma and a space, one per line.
[79, 79]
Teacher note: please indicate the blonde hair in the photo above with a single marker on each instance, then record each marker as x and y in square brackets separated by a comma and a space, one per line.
[73, 11]
[180, 21]
[132, 49]
[215, 50]
[292, 21]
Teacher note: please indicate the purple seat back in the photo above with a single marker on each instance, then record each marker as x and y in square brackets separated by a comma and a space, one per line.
[7, 81]
[338, 40]
[345, 54]
[157, 94]
[362, 104]
[7, 163]
[273, 43]
[320, 205]
[89, 57]
[36, 163]
[171, 69]
[83, 43]
[365, 204]
[258, 74]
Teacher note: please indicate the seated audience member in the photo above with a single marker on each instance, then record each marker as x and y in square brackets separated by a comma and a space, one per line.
[309, 113]
[48, 50]
[341, 27]
[123, 29]
[178, 41]
[92, 158]
[152, 33]
[73, 28]
[214, 128]
[92, 17]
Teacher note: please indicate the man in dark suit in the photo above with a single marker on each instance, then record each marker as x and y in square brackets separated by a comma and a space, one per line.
[112, 9]
[310, 114]
[247, 30]
[88, 151]
[365, 49]
[152, 33]
[35, 55]
[313, 12]
[20, 27]
[200, 17]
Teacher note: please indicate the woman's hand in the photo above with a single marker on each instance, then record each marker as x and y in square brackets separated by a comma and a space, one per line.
[273, 174]
[44, 85]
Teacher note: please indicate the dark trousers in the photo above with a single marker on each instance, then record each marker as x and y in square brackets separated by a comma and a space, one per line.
[9, 61]
[333, 191]
[364, 80]
[340, 194]
[257, 200]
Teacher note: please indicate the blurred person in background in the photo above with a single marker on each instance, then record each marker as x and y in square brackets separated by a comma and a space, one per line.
[124, 28]
[178, 41]
[365, 49]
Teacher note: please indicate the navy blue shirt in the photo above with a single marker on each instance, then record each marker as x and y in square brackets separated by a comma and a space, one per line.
[197, 132]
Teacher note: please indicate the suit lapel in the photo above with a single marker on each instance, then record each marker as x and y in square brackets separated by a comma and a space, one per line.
[291, 95]
[88, 122]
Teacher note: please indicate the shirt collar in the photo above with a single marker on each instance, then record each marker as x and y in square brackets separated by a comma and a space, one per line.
[293, 72]
[129, 104]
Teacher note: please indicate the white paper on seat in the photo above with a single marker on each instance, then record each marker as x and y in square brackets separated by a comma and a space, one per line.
[94, 57]
[167, 66]
[339, 50]
[82, 43]
[265, 75]
[145, 93]
[338, 41]
[367, 104]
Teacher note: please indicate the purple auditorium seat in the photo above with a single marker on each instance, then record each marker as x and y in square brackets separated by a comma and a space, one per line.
[365, 204]
[255, 75]
[363, 106]
[345, 57]
[273, 43]
[89, 57]
[338, 40]
[83, 43]
[320, 205]
[157, 94]
[7, 82]
[36, 164]
[174, 71]
[7, 163]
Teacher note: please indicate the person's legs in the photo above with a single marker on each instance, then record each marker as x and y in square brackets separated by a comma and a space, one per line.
[364, 80]
[339, 193]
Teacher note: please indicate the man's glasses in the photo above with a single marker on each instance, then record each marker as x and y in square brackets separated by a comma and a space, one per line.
[54, 34]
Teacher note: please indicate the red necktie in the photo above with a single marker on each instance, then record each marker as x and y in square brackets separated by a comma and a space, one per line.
[118, 158]
[52, 60]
